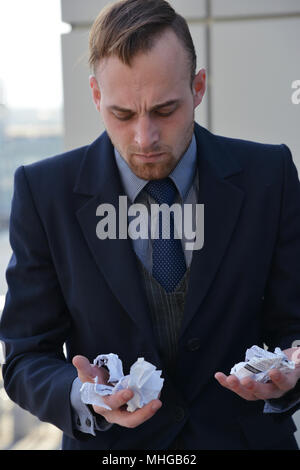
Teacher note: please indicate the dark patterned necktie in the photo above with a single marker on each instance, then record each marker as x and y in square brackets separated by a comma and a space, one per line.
[168, 258]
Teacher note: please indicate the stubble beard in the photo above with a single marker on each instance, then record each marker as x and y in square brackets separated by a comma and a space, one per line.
[159, 170]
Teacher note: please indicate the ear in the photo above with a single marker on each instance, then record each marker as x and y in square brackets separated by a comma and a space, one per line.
[199, 87]
[95, 91]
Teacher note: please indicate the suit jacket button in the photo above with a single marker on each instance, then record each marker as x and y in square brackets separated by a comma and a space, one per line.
[179, 414]
[193, 344]
[88, 422]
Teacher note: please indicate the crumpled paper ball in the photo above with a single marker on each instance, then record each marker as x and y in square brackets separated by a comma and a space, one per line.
[144, 380]
[258, 363]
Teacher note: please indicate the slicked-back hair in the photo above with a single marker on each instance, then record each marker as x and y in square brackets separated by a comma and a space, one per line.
[128, 27]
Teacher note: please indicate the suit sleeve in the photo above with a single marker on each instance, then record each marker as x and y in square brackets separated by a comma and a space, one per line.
[281, 310]
[35, 321]
[281, 314]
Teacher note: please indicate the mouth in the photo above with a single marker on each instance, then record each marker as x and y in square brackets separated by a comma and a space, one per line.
[150, 157]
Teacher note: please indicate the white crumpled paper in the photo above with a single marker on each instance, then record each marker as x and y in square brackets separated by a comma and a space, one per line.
[258, 362]
[144, 380]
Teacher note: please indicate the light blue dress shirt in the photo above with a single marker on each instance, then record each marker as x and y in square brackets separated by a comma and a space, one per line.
[185, 179]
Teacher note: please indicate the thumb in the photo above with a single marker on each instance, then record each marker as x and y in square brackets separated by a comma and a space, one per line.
[86, 372]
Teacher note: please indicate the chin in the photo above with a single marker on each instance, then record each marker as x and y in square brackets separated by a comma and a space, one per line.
[152, 171]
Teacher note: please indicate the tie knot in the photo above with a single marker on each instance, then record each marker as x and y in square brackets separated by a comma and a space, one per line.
[163, 191]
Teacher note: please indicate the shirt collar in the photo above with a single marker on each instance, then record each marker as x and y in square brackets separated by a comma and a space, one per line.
[182, 175]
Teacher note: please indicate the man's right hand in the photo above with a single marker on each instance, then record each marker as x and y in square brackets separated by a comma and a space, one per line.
[118, 413]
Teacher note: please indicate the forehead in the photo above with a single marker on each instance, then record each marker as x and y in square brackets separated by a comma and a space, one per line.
[156, 74]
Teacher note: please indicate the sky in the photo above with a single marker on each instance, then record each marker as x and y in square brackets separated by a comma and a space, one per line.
[30, 53]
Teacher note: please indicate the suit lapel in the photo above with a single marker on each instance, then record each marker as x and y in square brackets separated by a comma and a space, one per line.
[222, 204]
[99, 179]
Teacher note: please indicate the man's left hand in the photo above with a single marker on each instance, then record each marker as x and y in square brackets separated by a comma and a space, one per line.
[280, 383]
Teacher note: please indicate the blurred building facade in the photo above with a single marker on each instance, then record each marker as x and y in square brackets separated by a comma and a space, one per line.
[26, 135]
[250, 50]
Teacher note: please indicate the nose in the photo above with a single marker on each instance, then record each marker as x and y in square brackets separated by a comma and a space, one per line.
[146, 134]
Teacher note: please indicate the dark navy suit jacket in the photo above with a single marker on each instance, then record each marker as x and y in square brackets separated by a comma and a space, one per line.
[67, 286]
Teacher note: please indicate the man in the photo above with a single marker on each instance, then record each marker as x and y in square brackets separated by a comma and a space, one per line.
[191, 313]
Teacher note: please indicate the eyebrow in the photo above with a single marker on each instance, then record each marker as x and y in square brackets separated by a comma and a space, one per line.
[154, 108]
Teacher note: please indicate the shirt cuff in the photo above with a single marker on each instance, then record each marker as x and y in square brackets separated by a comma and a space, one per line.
[84, 419]
[285, 403]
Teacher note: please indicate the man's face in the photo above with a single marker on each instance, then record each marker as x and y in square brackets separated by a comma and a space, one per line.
[148, 108]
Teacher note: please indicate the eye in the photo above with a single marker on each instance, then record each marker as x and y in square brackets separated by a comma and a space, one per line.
[165, 112]
[123, 117]
[160, 113]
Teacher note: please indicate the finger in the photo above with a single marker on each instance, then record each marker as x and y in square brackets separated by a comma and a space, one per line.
[232, 383]
[134, 419]
[283, 381]
[120, 415]
[262, 391]
[86, 372]
[235, 385]
[115, 401]
[229, 382]
[221, 378]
